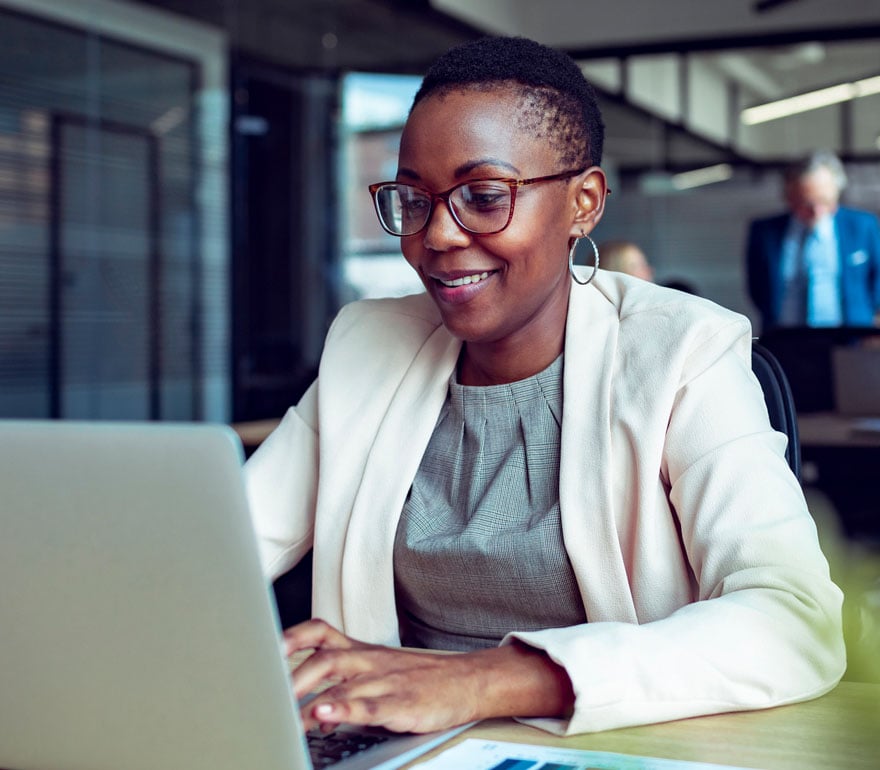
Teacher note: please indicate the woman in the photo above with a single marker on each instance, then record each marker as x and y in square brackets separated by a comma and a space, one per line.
[575, 480]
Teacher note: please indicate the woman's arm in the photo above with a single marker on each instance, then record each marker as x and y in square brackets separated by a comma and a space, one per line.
[763, 624]
[281, 482]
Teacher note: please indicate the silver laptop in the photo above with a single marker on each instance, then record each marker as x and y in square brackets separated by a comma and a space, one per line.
[136, 629]
[856, 371]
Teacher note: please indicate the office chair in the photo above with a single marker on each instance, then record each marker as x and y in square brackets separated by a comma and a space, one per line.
[293, 593]
[779, 400]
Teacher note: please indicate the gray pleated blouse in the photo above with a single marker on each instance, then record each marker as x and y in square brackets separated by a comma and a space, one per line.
[478, 551]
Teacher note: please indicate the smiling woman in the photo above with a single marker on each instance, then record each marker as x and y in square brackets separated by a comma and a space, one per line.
[568, 476]
[525, 240]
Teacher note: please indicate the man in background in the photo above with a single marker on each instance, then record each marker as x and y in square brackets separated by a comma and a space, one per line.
[819, 263]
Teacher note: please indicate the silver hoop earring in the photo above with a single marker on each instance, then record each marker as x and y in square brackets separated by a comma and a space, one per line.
[571, 252]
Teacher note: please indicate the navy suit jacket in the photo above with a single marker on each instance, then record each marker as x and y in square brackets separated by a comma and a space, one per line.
[858, 239]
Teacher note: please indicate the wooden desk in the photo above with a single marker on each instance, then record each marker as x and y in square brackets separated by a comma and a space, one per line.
[840, 731]
[829, 429]
[254, 432]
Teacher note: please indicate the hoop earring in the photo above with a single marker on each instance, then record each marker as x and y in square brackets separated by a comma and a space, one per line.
[571, 252]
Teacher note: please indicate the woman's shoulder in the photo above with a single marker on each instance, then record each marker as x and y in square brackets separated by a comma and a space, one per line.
[637, 301]
[670, 322]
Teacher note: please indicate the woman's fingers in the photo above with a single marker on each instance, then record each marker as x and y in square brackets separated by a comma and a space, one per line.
[315, 635]
[328, 666]
[402, 691]
[380, 711]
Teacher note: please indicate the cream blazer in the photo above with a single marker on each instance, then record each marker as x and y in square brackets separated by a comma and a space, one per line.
[697, 560]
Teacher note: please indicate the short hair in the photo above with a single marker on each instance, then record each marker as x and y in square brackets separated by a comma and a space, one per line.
[813, 162]
[557, 100]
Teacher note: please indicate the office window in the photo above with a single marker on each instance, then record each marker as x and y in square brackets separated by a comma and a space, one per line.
[374, 109]
[102, 231]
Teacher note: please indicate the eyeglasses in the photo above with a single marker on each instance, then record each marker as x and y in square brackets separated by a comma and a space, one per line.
[479, 206]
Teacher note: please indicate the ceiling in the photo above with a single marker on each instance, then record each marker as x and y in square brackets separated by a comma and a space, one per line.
[699, 64]
[383, 35]
[762, 49]
[639, 25]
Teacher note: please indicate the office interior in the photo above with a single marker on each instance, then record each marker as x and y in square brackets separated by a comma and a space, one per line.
[183, 203]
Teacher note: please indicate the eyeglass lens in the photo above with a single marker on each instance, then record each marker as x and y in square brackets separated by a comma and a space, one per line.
[481, 207]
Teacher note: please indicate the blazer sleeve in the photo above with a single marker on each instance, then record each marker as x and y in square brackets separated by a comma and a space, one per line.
[281, 480]
[765, 626]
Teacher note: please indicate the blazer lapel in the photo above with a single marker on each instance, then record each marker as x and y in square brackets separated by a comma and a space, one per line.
[368, 610]
[587, 461]
[587, 505]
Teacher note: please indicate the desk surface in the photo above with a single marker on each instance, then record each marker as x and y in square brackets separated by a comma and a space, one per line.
[828, 429]
[839, 731]
[254, 432]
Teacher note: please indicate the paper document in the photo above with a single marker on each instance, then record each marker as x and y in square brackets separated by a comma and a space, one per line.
[475, 754]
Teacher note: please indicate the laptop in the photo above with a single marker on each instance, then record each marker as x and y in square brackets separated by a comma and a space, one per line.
[136, 628]
[856, 373]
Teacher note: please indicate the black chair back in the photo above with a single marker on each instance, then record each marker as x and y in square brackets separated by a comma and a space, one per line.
[779, 400]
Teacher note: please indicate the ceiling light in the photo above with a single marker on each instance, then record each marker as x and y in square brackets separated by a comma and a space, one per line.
[868, 86]
[812, 100]
[701, 176]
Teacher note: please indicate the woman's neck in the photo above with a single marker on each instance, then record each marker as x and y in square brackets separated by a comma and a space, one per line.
[521, 353]
[478, 365]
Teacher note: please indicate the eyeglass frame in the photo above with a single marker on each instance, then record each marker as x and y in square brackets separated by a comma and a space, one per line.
[512, 183]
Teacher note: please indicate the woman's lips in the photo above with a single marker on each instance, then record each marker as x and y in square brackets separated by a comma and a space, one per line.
[464, 280]
[462, 288]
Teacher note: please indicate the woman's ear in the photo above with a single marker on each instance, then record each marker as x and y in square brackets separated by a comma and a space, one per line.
[589, 201]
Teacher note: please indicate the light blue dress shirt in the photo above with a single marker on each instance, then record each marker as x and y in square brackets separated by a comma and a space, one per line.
[811, 272]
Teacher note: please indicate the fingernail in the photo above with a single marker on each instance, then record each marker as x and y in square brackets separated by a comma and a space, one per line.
[323, 710]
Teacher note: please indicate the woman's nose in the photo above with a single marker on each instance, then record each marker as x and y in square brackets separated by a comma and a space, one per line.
[442, 231]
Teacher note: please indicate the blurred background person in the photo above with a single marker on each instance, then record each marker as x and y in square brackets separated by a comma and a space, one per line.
[625, 257]
[818, 264]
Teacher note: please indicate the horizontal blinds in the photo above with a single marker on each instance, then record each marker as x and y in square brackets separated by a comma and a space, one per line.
[97, 199]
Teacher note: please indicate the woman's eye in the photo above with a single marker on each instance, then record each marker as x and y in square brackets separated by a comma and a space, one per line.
[414, 205]
[484, 197]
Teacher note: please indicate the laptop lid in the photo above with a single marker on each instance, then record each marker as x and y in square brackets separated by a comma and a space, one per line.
[136, 628]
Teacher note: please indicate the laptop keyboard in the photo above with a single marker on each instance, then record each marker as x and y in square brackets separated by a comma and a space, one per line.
[326, 749]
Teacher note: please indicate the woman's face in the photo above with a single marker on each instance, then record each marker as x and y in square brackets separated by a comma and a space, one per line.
[516, 283]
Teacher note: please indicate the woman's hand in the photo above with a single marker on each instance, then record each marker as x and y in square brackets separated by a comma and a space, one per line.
[411, 691]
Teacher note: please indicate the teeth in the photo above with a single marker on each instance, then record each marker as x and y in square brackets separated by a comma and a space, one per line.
[465, 280]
